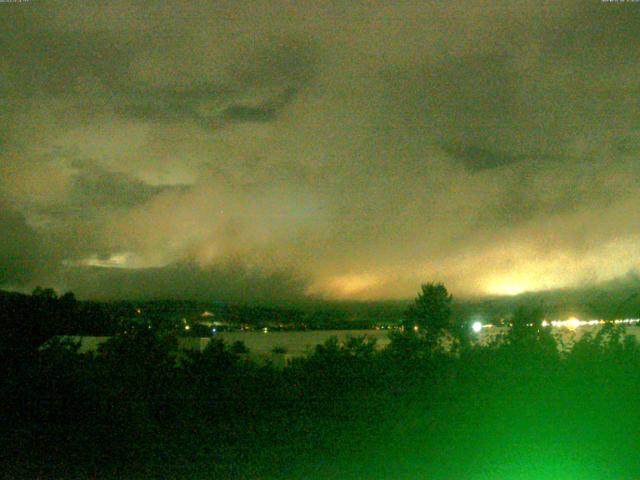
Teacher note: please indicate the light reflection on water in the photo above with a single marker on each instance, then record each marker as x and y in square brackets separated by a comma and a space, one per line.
[304, 342]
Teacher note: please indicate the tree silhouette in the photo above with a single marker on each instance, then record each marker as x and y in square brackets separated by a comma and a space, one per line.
[527, 333]
[431, 311]
[46, 294]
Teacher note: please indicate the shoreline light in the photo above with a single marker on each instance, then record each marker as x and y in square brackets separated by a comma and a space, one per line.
[573, 322]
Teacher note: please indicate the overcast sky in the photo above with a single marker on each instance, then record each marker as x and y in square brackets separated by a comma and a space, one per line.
[344, 149]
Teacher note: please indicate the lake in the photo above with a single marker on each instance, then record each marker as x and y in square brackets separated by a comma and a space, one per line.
[300, 343]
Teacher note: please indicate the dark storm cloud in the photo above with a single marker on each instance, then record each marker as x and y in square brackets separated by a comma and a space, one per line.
[93, 70]
[470, 101]
[263, 112]
[20, 250]
[596, 38]
[94, 187]
[477, 158]
[213, 107]
[365, 146]
[231, 282]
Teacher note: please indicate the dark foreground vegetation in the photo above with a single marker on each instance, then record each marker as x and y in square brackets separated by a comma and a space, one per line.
[431, 405]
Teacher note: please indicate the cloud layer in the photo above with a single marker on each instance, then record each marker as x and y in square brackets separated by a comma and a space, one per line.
[364, 147]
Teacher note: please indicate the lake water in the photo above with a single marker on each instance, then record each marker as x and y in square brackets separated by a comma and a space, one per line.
[300, 343]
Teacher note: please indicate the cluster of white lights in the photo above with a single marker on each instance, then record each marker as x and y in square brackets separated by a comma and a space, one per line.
[571, 323]
[576, 322]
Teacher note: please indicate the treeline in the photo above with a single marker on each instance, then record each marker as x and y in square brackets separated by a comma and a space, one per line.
[142, 409]
[29, 320]
[432, 404]
[311, 315]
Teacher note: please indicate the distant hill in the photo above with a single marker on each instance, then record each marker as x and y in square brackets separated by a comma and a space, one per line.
[29, 320]
[619, 298]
